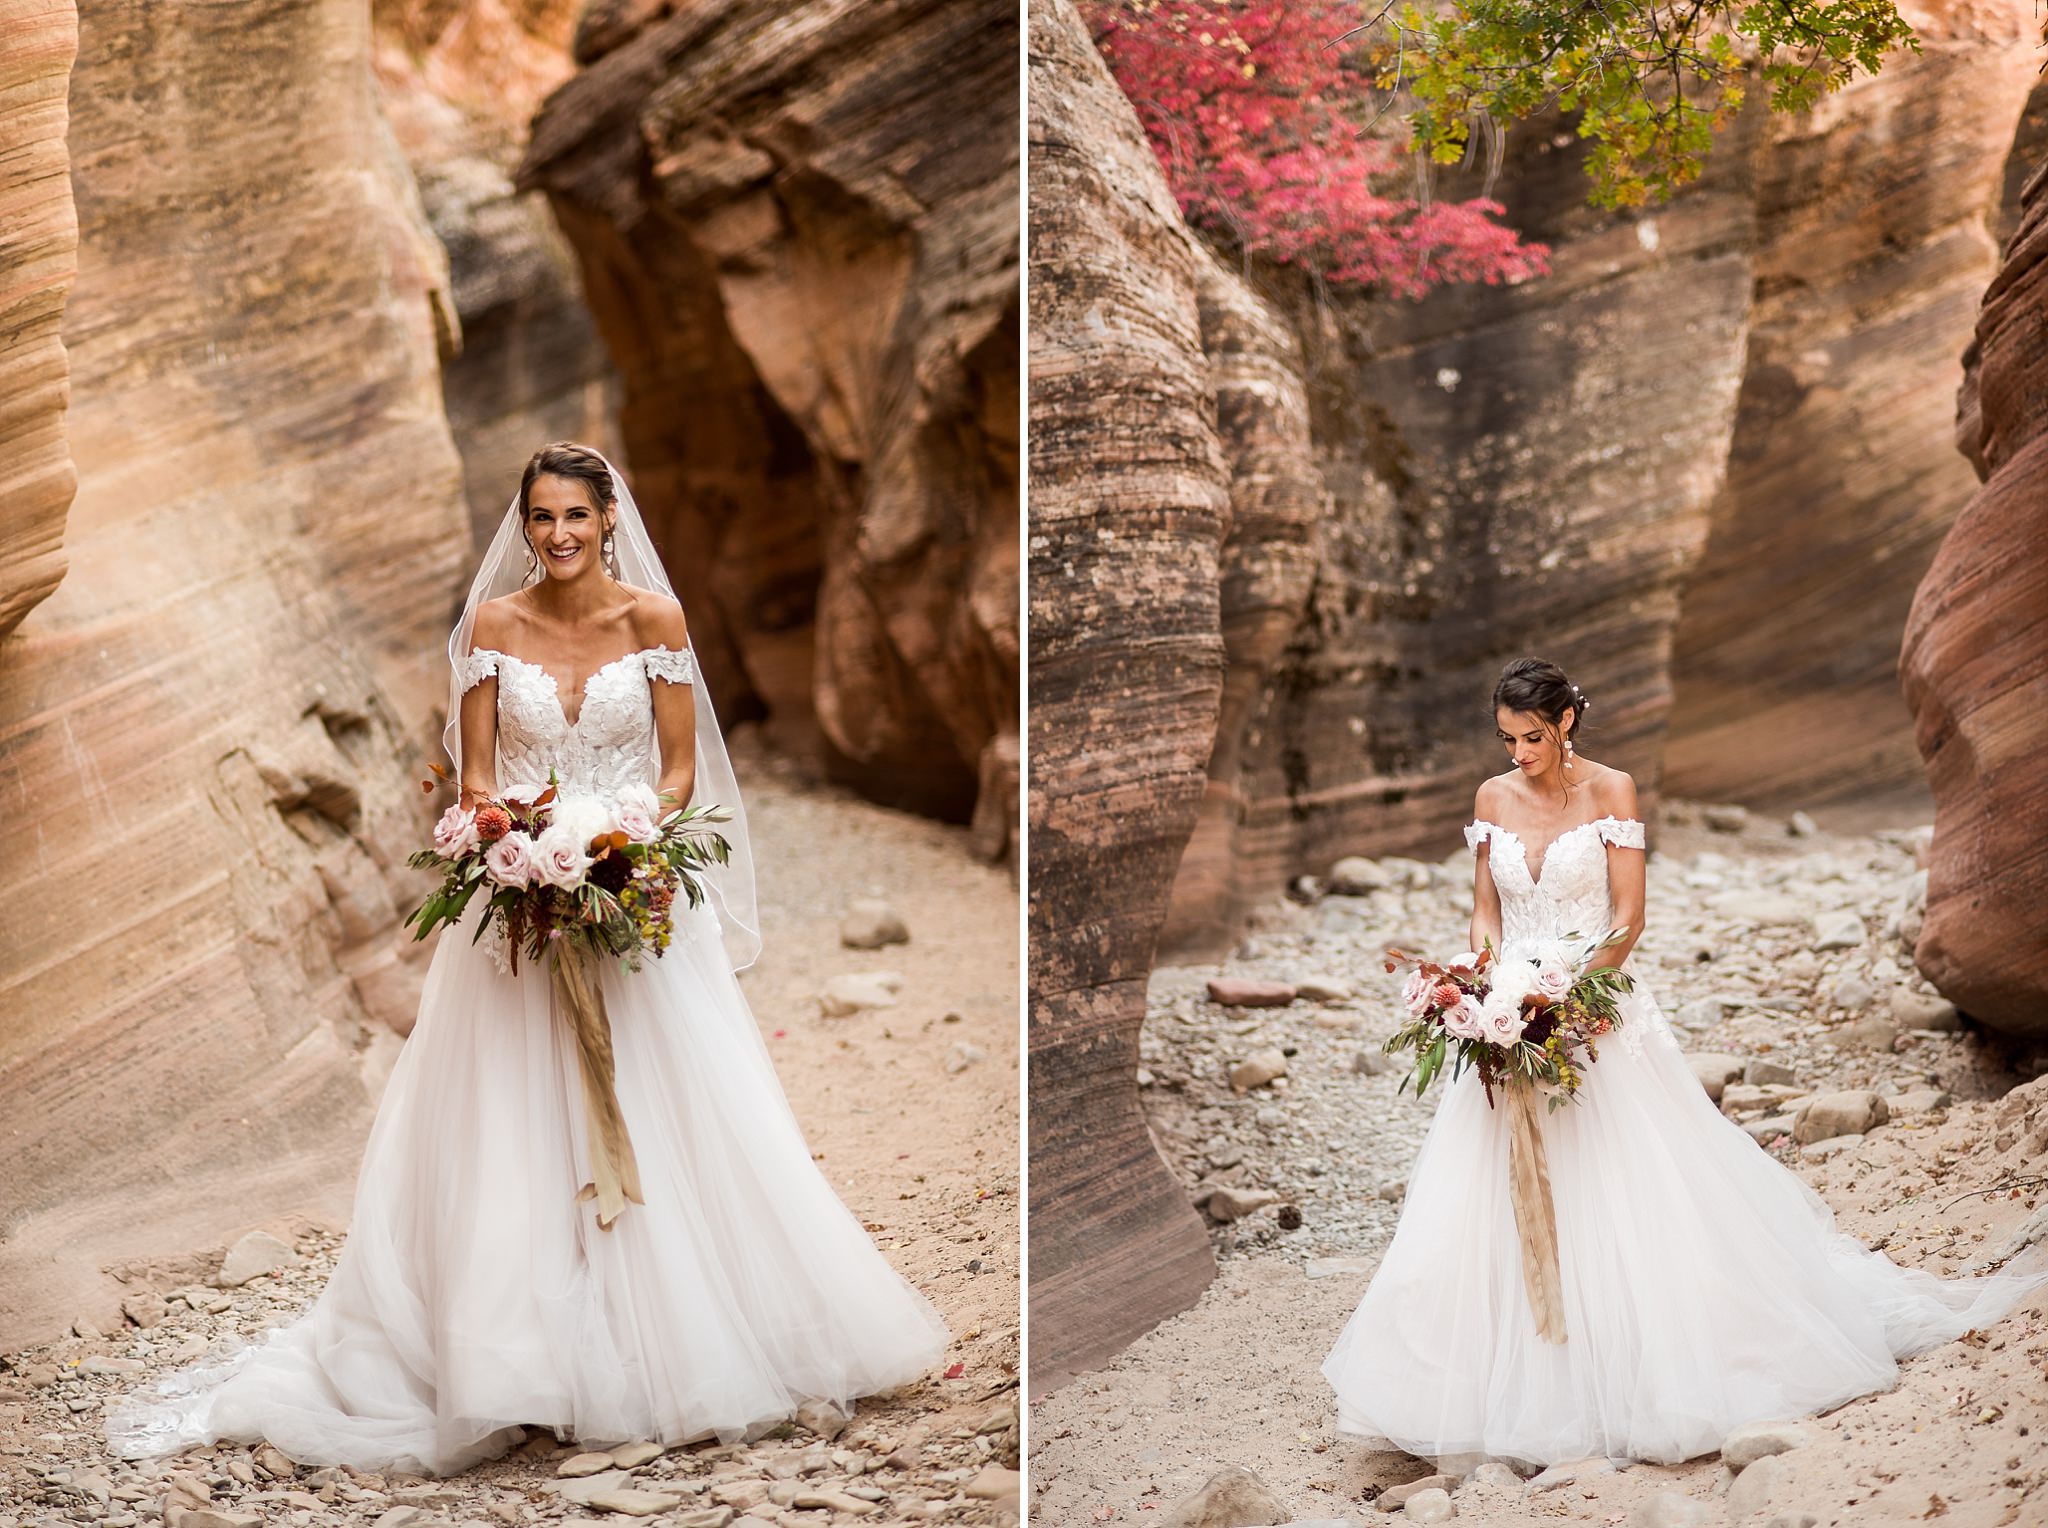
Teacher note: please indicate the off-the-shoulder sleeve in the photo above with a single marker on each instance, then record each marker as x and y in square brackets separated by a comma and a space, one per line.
[675, 667]
[1476, 834]
[479, 666]
[1623, 832]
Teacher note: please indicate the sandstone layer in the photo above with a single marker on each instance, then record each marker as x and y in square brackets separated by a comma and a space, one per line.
[38, 261]
[212, 728]
[798, 237]
[1596, 467]
[522, 362]
[1974, 664]
[1871, 252]
[1129, 507]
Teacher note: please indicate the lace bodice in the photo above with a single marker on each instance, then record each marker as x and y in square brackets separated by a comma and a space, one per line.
[612, 741]
[1567, 893]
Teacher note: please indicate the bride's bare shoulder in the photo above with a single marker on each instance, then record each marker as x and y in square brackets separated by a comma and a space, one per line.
[497, 623]
[657, 619]
[1614, 791]
[1492, 798]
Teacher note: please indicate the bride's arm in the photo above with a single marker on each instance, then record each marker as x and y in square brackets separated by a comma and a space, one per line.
[675, 704]
[479, 731]
[1485, 895]
[1627, 878]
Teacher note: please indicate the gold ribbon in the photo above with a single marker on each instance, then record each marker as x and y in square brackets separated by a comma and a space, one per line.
[1535, 1215]
[579, 998]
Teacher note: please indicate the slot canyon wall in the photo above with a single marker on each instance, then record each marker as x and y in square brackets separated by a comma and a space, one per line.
[291, 327]
[800, 241]
[1974, 662]
[1704, 464]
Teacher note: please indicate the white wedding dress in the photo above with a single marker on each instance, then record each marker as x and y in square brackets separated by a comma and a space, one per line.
[476, 1292]
[1704, 1284]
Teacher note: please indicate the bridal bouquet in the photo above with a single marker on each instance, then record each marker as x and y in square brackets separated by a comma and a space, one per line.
[1532, 1022]
[1523, 1023]
[604, 872]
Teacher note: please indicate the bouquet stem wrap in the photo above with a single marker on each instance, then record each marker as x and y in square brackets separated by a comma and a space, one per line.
[579, 1001]
[1535, 1215]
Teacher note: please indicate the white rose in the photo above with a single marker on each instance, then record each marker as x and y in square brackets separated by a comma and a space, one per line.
[558, 857]
[639, 812]
[1501, 1018]
[1553, 980]
[582, 817]
[1513, 980]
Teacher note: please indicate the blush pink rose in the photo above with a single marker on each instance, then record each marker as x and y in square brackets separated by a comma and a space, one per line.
[510, 860]
[1464, 1019]
[455, 833]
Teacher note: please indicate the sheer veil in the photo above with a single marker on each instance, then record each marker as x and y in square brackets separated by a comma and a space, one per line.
[731, 886]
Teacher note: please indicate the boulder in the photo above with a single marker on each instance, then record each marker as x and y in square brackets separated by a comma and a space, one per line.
[1431, 1506]
[252, 1256]
[1837, 929]
[1258, 1069]
[1250, 992]
[869, 924]
[851, 991]
[1715, 1070]
[1922, 1010]
[1356, 876]
[1831, 1114]
[1232, 1498]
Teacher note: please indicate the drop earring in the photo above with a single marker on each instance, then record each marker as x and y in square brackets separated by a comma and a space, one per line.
[1567, 753]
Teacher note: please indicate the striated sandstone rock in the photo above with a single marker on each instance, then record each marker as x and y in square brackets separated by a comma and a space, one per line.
[1128, 511]
[232, 685]
[798, 235]
[38, 262]
[1871, 253]
[1974, 663]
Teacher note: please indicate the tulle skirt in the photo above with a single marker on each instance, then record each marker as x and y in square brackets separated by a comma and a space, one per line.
[1704, 1285]
[476, 1293]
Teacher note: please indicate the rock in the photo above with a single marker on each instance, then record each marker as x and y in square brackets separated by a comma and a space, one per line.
[391, 1517]
[1759, 1072]
[823, 1418]
[1872, 1034]
[1569, 1473]
[1357, 877]
[1258, 1069]
[1004, 1487]
[1232, 1498]
[1741, 1097]
[1759, 1440]
[577, 1466]
[1394, 1498]
[1764, 1131]
[868, 924]
[1248, 992]
[630, 1456]
[637, 1503]
[1714, 1069]
[1846, 1113]
[1799, 825]
[703, 1517]
[1323, 989]
[851, 991]
[1853, 990]
[1841, 929]
[95, 1364]
[211, 1517]
[961, 1055]
[1431, 1506]
[253, 1256]
[1753, 1488]
[1373, 1062]
[1493, 1475]
[1667, 1509]
[145, 1308]
[1395, 1192]
[1226, 1204]
[1725, 818]
[1764, 909]
[1923, 1010]
[581, 1490]
[882, 613]
[1917, 1101]
[1833, 1146]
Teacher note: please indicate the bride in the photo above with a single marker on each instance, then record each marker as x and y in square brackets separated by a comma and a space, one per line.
[1703, 1284]
[478, 1290]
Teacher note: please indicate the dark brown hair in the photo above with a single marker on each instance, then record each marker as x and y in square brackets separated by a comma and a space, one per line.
[1541, 688]
[566, 459]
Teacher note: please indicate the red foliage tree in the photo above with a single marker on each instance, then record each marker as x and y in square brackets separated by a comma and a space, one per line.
[1258, 111]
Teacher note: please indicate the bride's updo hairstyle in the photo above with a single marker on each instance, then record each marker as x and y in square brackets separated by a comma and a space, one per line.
[1541, 688]
[566, 459]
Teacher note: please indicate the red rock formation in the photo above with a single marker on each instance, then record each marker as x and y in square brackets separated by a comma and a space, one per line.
[1128, 512]
[207, 726]
[1871, 253]
[798, 237]
[1974, 664]
[38, 260]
